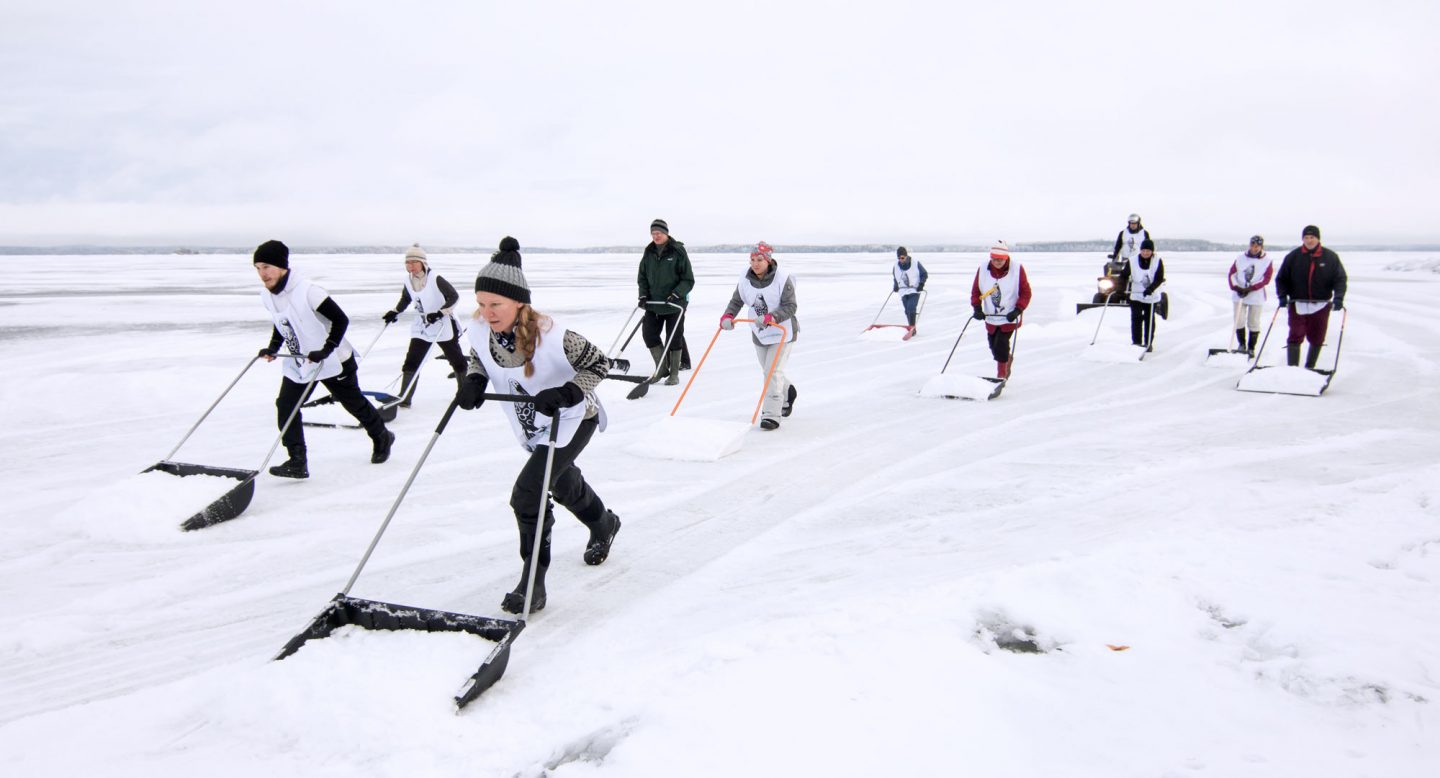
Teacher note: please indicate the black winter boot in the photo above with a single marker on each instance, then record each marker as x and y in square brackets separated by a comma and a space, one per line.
[1254, 338]
[514, 601]
[790, 395]
[381, 452]
[1292, 354]
[1312, 355]
[1240, 338]
[294, 467]
[602, 536]
[408, 379]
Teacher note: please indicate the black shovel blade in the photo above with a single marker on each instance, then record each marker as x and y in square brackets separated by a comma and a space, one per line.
[228, 506]
[369, 614]
[640, 390]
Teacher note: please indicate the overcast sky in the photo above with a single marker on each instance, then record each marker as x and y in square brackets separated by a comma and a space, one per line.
[576, 123]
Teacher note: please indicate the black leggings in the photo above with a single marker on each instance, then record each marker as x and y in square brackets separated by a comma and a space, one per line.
[1142, 319]
[419, 347]
[345, 388]
[1000, 344]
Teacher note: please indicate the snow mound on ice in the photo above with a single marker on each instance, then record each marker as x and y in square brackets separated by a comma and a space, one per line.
[967, 387]
[691, 439]
[1228, 359]
[145, 506]
[1286, 380]
[884, 334]
[1113, 352]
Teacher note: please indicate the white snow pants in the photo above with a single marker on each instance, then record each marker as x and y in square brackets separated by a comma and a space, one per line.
[1247, 316]
[779, 384]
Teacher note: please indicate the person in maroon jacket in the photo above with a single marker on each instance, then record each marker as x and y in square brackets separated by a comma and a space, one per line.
[1311, 282]
[999, 295]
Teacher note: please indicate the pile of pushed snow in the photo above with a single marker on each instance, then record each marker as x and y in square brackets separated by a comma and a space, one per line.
[149, 505]
[691, 439]
[953, 385]
[1286, 380]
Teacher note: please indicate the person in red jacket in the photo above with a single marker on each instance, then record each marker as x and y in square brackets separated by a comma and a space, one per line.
[999, 295]
[1311, 282]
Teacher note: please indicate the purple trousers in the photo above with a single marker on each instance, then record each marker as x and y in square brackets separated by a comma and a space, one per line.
[1309, 326]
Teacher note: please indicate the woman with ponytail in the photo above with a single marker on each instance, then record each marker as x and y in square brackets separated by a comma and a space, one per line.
[528, 353]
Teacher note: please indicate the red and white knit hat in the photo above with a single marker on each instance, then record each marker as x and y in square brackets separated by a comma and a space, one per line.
[999, 250]
[762, 249]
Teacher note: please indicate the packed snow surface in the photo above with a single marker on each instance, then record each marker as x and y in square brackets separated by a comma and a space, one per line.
[888, 584]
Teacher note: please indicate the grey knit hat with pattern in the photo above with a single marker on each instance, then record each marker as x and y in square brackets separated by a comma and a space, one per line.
[502, 274]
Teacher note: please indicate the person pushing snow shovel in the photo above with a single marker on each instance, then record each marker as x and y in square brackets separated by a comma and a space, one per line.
[1144, 278]
[1249, 275]
[434, 300]
[1311, 283]
[1005, 296]
[909, 281]
[528, 353]
[770, 293]
[665, 280]
[312, 327]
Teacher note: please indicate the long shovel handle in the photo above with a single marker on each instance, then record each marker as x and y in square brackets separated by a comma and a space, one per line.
[665, 352]
[696, 372]
[439, 428]
[784, 335]
[309, 387]
[540, 516]
[1256, 362]
[612, 352]
[882, 309]
[206, 414]
[366, 352]
[775, 362]
[1103, 308]
[957, 344]
[1344, 315]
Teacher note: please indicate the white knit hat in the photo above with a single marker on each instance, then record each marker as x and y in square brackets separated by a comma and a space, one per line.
[415, 252]
[999, 250]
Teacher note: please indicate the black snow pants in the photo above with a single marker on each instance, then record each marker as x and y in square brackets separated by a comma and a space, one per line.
[345, 388]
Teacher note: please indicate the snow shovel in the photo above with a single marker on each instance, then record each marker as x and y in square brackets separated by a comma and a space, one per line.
[644, 386]
[345, 610]
[784, 334]
[873, 325]
[919, 309]
[237, 499]
[616, 362]
[1314, 388]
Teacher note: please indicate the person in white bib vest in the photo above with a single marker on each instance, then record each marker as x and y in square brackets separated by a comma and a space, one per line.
[770, 294]
[434, 300]
[1127, 243]
[311, 326]
[999, 295]
[1249, 274]
[1144, 278]
[909, 279]
[525, 352]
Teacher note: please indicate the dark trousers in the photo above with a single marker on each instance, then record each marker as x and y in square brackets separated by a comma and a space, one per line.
[909, 302]
[1142, 320]
[999, 344]
[1309, 326]
[567, 487]
[650, 330]
[345, 388]
[419, 347]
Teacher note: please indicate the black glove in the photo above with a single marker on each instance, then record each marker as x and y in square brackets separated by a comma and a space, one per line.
[266, 353]
[1339, 303]
[390, 316]
[1283, 302]
[894, 288]
[1012, 315]
[979, 314]
[319, 355]
[431, 318]
[642, 302]
[920, 288]
[550, 401]
[1149, 290]
[470, 394]
[674, 298]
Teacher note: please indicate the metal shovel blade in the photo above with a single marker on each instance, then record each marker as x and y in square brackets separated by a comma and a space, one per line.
[228, 506]
[369, 614]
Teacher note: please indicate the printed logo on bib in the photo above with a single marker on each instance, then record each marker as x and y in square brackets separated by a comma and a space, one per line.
[760, 308]
[1249, 275]
[525, 412]
[292, 341]
[995, 297]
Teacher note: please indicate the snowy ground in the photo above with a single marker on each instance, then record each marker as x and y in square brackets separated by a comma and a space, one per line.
[840, 597]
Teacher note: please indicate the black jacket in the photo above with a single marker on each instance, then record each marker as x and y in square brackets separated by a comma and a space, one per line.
[1317, 276]
[665, 271]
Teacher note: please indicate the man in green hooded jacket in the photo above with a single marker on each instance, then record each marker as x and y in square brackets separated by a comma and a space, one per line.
[665, 280]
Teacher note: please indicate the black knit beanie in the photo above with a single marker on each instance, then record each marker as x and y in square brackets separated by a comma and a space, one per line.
[502, 274]
[1310, 230]
[659, 224]
[273, 252]
[1147, 244]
